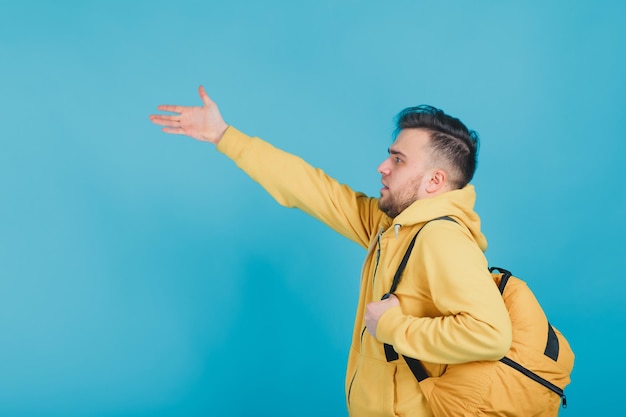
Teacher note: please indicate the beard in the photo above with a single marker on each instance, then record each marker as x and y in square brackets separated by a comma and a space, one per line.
[393, 204]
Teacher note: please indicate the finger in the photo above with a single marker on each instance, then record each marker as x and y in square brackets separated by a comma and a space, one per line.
[174, 117]
[173, 130]
[164, 122]
[204, 96]
[171, 108]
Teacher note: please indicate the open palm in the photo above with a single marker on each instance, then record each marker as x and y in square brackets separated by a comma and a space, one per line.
[203, 123]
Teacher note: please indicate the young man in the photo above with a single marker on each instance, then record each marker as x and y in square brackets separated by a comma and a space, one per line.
[446, 309]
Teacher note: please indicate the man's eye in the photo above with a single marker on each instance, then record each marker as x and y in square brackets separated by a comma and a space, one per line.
[397, 160]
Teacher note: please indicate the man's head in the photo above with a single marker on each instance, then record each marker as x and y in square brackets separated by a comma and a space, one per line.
[432, 153]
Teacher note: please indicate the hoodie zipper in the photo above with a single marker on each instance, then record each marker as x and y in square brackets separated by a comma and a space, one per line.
[356, 371]
[380, 233]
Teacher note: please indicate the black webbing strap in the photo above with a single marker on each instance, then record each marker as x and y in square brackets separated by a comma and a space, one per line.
[504, 279]
[416, 368]
[405, 259]
[391, 355]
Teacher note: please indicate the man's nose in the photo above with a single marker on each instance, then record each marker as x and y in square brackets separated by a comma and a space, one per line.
[383, 168]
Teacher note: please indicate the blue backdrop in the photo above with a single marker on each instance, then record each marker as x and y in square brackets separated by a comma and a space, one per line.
[142, 274]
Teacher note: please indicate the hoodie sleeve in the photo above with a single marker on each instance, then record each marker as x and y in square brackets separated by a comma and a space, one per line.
[473, 323]
[294, 183]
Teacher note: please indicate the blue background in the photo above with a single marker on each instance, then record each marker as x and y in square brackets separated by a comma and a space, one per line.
[143, 274]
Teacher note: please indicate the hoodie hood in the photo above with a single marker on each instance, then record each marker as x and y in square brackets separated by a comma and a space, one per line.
[457, 203]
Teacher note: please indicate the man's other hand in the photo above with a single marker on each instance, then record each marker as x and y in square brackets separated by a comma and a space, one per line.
[203, 123]
[373, 312]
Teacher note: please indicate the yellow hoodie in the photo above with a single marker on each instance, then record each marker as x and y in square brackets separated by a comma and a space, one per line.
[450, 311]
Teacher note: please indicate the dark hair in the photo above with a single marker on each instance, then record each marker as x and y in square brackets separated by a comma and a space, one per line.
[449, 139]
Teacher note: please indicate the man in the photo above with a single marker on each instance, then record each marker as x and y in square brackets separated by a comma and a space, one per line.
[446, 309]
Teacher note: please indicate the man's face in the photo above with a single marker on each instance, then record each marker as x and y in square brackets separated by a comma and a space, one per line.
[405, 171]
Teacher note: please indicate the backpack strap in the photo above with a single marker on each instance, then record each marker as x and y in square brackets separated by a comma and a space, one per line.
[405, 258]
[505, 277]
[391, 355]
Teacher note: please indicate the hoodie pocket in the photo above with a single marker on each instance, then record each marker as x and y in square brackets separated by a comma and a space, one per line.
[371, 391]
[409, 399]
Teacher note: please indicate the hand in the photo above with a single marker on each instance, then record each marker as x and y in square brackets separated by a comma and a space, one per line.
[202, 123]
[373, 312]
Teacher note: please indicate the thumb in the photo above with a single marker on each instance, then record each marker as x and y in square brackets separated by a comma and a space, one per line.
[204, 96]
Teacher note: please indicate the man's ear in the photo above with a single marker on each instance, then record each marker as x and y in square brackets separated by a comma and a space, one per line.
[437, 182]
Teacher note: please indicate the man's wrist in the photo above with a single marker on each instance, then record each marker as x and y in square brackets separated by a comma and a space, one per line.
[221, 133]
[384, 329]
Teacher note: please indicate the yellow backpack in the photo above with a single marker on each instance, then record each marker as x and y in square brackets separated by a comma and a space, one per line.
[528, 381]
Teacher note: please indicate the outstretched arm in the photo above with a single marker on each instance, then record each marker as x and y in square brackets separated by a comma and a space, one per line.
[204, 123]
[287, 178]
